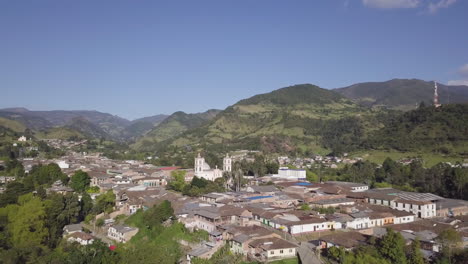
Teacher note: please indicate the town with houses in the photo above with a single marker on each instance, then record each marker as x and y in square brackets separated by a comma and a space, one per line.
[265, 220]
[234, 132]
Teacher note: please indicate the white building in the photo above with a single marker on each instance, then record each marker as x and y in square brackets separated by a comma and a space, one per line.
[203, 170]
[313, 225]
[422, 205]
[287, 173]
[22, 139]
[63, 165]
[81, 238]
[353, 187]
[121, 233]
[359, 221]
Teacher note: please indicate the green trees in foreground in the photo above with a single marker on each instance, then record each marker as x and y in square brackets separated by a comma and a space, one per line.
[441, 179]
[391, 248]
[32, 227]
[80, 181]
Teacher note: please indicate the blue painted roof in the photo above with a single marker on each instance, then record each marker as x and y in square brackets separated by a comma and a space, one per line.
[259, 197]
[304, 184]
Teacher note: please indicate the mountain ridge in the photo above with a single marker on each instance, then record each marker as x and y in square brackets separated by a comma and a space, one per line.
[402, 94]
[174, 125]
[284, 118]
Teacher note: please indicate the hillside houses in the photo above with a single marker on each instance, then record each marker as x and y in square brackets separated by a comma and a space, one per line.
[263, 222]
[121, 233]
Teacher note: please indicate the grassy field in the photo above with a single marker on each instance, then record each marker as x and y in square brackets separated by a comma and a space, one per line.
[430, 159]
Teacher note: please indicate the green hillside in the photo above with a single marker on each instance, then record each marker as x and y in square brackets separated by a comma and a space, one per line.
[296, 94]
[86, 128]
[288, 119]
[141, 126]
[64, 133]
[402, 94]
[173, 126]
[12, 124]
[308, 119]
[443, 130]
[42, 120]
[136, 129]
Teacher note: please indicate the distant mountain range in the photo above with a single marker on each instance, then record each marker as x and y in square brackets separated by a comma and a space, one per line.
[110, 125]
[94, 124]
[139, 127]
[294, 118]
[403, 94]
[173, 126]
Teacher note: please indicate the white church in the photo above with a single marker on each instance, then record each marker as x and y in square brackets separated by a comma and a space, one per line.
[203, 170]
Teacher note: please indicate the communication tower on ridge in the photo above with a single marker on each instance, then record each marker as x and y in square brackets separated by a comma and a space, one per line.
[436, 96]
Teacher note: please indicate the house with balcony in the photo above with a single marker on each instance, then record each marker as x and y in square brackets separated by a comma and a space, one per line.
[121, 233]
[209, 218]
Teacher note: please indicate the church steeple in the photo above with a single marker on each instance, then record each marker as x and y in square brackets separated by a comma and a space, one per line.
[227, 163]
[199, 162]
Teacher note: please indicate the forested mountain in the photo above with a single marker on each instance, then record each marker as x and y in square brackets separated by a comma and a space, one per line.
[21, 115]
[155, 120]
[43, 120]
[298, 118]
[284, 120]
[173, 126]
[60, 123]
[306, 118]
[441, 129]
[403, 94]
[86, 127]
[139, 127]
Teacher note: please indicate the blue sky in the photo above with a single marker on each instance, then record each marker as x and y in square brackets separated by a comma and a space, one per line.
[140, 58]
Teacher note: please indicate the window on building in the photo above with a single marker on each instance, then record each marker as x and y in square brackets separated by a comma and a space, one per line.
[272, 252]
[281, 251]
[290, 250]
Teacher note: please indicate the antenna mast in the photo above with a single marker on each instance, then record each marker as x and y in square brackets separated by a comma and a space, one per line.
[436, 96]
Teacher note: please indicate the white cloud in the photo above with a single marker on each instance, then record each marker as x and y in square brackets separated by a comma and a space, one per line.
[463, 70]
[434, 7]
[429, 6]
[389, 4]
[458, 82]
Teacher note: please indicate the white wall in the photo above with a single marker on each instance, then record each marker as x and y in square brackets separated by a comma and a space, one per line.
[285, 172]
[281, 253]
[305, 228]
[358, 223]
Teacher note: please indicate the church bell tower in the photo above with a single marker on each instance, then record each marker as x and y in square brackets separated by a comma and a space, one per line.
[227, 163]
